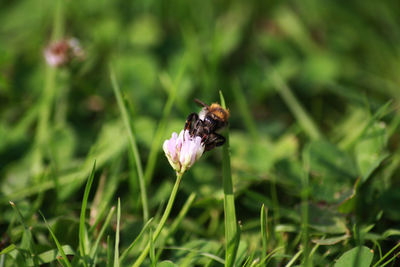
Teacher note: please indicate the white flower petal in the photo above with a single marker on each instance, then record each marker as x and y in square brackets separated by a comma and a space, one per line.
[183, 150]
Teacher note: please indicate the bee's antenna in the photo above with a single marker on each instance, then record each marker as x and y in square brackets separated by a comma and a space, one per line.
[201, 103]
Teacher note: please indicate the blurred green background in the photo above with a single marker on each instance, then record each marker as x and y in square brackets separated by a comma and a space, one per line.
[313, 91]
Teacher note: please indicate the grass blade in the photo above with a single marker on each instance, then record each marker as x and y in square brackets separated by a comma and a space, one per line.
[174, 226]
[386, 255]
[156, 144]
[264, 230]
[59, 247]
[109, 252]
[132, 142]
[103, 197]
[116, 249]
[27, 240]
[43, 129]
[101, 233]
[301, 115]
[108, 152]
[199, 253]
[152, 252]
[132, 245]
[231, 228]
[244, 109]
[295, 257]
[162, 222]
[268, 257]
[82, 228]
[390, 260]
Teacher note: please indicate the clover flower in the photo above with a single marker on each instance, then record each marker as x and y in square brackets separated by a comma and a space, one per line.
[61, 52]
[182, 150]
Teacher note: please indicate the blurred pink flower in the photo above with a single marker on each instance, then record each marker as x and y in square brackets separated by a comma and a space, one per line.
[183, 151]
[61, 52]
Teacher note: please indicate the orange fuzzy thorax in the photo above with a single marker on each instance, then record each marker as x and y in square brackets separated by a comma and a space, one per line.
[219, 111]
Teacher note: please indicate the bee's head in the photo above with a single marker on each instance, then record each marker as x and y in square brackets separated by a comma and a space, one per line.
[215, 110]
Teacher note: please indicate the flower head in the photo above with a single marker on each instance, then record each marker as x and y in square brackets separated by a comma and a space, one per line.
[183, 151]
[61, 52]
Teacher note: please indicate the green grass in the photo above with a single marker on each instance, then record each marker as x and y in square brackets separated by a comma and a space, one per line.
[309, 175]
[232, 233]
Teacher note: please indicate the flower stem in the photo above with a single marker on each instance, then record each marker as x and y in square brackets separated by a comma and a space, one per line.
[161, 224]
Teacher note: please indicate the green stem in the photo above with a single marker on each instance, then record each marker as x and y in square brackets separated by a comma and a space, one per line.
[161, 224]
[43, 130]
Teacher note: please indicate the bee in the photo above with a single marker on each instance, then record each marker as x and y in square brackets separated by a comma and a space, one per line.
[205, 124]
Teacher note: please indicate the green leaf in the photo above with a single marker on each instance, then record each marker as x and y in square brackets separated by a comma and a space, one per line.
[331, 241]
[8, 249]
[52, 255]
[326, 219]
[391, 232]
[332, 170]
[369, 149]
[356, 257]
[382, 111]
[248, 155]
[349, 203]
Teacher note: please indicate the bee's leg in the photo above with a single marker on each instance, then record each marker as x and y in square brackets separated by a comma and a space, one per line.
[214, 140]
[218, 139]
[198, 128]
[192, 118]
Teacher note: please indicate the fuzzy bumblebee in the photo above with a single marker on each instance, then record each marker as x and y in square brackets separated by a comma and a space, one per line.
[206, 124]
